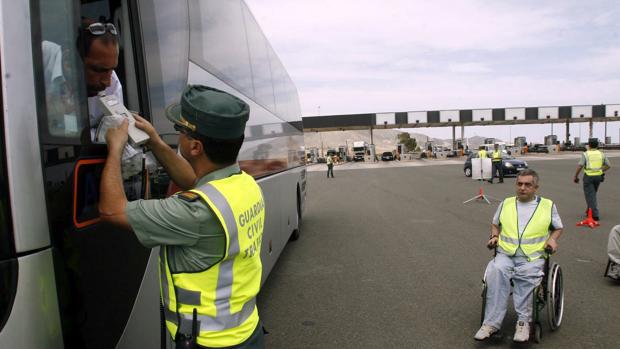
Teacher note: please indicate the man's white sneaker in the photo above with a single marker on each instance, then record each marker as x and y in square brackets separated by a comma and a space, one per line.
[485, 332]
[522, 332]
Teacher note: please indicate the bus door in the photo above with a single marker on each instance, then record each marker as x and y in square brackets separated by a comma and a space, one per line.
[99, 268]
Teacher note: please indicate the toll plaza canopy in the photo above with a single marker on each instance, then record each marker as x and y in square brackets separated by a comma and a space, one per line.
[467, 117]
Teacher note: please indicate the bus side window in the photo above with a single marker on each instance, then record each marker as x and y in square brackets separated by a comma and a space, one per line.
[60, 89]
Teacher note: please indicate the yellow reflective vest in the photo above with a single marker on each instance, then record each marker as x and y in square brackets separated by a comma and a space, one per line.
[223, 295]
[594, 163]
[482, 154]
[497, 155]
[535, 234]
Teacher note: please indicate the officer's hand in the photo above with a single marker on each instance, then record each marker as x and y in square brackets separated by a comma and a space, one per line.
[116, 137]
[492, 243]
[551, 245]
[576, 179]
[146, 126]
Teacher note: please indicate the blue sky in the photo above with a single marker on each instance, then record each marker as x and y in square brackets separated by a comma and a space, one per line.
[356, 56]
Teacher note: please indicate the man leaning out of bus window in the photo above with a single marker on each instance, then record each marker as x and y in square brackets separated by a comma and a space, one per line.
[220, 204]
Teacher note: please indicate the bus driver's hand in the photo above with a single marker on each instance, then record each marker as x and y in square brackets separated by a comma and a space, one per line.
[116, 137]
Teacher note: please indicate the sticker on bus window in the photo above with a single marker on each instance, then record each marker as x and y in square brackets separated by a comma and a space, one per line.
[86, 177]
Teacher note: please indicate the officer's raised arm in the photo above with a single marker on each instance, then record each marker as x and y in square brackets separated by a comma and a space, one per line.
[176, 166]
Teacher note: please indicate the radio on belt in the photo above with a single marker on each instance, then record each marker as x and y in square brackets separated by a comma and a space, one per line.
[110, 106]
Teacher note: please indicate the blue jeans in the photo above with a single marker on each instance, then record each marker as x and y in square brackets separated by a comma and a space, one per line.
[525, 277]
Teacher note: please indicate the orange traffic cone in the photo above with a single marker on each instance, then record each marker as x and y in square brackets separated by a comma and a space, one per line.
[590, 222]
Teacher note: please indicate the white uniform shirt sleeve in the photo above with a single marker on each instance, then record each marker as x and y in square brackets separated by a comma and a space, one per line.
[555, 218]
[497, 212]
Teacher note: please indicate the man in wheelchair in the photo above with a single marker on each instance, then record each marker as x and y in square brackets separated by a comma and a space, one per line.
[523, 226]
[613, 251]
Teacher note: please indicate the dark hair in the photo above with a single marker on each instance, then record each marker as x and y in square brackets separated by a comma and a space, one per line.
[529, 172]
[593, 143]
[220, 151]
[85, 39]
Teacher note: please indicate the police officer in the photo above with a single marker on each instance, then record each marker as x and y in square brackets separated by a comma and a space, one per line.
[497, 164]
[482, 153]
[210, 234]
[594, 164]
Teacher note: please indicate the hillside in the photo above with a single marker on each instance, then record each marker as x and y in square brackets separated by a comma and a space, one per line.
[385, 140]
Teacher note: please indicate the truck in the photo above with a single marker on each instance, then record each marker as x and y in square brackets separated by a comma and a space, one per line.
[359, 150]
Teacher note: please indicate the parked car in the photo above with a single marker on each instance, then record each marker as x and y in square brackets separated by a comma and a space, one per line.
[387, 156]
[538, 148]
[510, 165]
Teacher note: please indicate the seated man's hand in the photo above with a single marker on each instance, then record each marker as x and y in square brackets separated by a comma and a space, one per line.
[552, 245]
[146, 126]
[492, 243]
[116, 137]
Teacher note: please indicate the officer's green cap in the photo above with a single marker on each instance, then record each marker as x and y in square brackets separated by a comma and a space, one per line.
[210, 112]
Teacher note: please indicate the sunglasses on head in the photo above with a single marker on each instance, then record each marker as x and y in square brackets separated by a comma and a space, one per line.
[101, 28]
[182, 130]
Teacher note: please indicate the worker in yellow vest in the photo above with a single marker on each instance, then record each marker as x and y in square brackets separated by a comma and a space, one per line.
[594, 164]
[497, 164]
[210, 234]
[523, 226]
[482, 154]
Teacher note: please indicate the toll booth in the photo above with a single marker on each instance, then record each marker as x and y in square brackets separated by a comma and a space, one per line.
[520, 142]
[342, 152]
[371, 148]
[551, 139]
[313, 155]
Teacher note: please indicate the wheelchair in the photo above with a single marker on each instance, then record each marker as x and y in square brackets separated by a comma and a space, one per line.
[549, 293]
[607, 271]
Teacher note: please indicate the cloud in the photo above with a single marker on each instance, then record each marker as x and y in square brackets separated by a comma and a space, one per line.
[471, 67]
[356, 56]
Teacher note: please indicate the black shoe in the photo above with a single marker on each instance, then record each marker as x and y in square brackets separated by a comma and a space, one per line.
[596, 218]
[501, 181]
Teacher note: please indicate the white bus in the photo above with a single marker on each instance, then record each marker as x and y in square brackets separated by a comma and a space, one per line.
[67, 280]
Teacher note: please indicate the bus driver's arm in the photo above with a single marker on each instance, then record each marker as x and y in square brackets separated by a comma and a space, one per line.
[112, 199]
[176, 166]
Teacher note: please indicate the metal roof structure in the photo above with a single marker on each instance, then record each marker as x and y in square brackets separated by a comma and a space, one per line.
[466, 117]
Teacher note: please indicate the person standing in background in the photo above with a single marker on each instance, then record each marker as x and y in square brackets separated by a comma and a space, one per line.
[330, 166]
[594, 164]
[497, 164]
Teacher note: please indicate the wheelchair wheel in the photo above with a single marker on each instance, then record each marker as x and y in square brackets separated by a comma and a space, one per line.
[537, 332]
[484, 300]
[555, 289]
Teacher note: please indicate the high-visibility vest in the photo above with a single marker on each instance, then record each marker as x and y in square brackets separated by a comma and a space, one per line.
[497, 155]
[594, 163]
[482, 154]
[224, 295]
[535, 234]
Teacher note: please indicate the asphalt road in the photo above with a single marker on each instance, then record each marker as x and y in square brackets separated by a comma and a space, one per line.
[391, 258]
